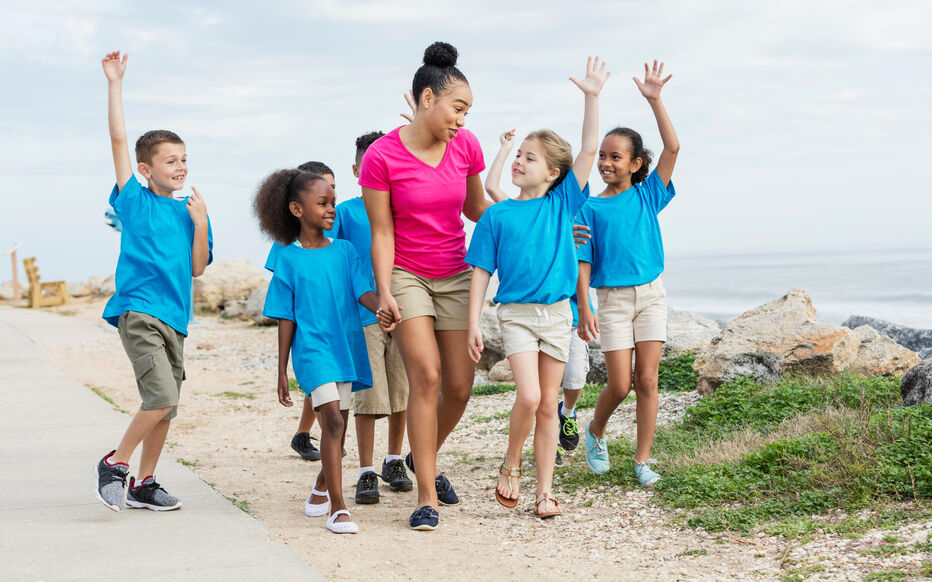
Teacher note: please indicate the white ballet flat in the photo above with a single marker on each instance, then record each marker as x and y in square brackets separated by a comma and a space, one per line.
[342, 527]
[317, 509]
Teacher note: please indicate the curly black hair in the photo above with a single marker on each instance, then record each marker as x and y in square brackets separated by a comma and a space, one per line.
[438, 71]
[318, 168]
[637, 150]
[274, 195]
[364, 141]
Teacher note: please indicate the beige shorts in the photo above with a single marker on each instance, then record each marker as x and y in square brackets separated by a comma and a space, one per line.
[446, 299]
[628, 315]
[157, 353]
[389, 392]
[330, 392]
[577, 365]
[536, 327]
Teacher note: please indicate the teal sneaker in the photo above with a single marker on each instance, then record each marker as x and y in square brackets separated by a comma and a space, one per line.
[596, 453]
[645, 474]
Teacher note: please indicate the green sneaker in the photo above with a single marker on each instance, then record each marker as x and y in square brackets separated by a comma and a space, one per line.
[646, 476]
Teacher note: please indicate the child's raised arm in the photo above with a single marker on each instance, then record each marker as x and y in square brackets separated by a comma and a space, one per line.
[114, 69]
[591, 86]
[650, 89]
[494, 178]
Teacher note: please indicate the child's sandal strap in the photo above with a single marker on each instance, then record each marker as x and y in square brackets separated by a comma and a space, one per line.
[509, 471]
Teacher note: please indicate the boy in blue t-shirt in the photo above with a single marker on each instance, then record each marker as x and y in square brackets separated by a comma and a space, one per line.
[164, 242]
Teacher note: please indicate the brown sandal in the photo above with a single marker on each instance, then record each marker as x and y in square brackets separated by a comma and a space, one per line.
[546, 514]
[507, 472]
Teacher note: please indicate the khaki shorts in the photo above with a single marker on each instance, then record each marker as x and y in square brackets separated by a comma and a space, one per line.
[536, 327]
[331, 392]
[577, 366]
[446, 299]
[628, 315]
[157, 353]
[389, 392]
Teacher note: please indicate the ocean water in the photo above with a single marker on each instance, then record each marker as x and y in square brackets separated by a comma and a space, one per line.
[895, 285]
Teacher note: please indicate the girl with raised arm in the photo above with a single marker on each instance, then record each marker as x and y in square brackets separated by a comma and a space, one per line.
[529, 240]
[624, 264]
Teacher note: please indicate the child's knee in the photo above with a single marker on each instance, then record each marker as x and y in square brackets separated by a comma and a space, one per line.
[527, 401]
[618, 388]
[331, 421]
[646, 381]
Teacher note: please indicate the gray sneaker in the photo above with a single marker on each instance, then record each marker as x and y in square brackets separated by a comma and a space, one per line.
[111, 482]
[150, 495]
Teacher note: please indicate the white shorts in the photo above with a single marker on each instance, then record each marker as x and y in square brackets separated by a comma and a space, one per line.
[330, 392]
[577, 366]
[628, 315]
[536, 327]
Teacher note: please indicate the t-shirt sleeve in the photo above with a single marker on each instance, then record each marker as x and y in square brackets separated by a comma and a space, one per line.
[474, 155]
[122, 200]
[482, 252]
[279, 300]
[584, 252]
[210, 243]
[571, 196]
[273, 256]
[658, 195]
[357, 274]
[373, 171]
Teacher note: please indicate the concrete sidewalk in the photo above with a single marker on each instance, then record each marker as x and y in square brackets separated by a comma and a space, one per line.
[52, 432]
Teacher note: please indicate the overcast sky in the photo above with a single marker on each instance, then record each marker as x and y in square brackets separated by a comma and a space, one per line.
[803, 124]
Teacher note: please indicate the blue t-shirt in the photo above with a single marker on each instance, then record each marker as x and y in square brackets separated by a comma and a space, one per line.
[319, 289]
[530, 242]
[153, 274]
[352, 224]
[626, 248]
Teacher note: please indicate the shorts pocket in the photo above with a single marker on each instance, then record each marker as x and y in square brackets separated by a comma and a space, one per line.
[143, 365]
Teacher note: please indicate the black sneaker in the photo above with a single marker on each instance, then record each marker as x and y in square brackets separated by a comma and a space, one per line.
[424, 518]
[367, 488]
[150, 495]
[111, 482]
[569, 430]
[445, 493]
[301, 443]
[393, 473]
[409, 461]
[558, 462]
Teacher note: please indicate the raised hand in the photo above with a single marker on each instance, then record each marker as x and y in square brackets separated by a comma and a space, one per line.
[595, 78]
[409, 97]
[653, 81]
[506, 138]
[114, 68]
[196, 208]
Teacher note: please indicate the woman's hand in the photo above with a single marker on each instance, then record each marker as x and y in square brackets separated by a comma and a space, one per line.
[284, 396]
[588, 327]
[653, 81]
[388, 313]
[595, 78]
[474, 343]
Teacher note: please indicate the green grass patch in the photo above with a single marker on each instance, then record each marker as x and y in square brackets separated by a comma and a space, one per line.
[241, 505]
[493, 388]
[695, 552]
[887, 576]
[876, 453]
[677, 374]
[107, 399]
[237, 395]
[496, 416]
[187, 463]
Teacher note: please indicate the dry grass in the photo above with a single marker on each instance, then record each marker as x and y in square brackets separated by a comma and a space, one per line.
[733, 448]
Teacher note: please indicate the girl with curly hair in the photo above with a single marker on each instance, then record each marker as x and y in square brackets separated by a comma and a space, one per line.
[313, 294]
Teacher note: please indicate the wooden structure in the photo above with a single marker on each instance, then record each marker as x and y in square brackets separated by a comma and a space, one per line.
[44, 294]
[17, 291]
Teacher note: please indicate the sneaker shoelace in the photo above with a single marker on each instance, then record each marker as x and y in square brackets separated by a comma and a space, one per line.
[148, 490]
[396, 470]
[118, 476]
[646, 464]
[600, 446]
[422, 512]
[570, 427]
[369, 480]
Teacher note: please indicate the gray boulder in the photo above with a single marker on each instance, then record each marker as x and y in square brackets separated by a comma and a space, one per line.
[878, 355]
[225, 281]
[688, 332]
[501, 372]
[925, 354]
[761, 365]
[598, 373]
[255, 304]
[916, 386]
[912, 338]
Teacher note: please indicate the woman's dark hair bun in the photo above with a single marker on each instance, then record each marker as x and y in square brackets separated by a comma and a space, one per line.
[440, 54]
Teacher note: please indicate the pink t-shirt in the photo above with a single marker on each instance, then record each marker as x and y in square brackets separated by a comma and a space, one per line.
[427, 202]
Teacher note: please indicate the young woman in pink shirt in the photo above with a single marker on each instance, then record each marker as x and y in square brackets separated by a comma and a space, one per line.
[416, 183]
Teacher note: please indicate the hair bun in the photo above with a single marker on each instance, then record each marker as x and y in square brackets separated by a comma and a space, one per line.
[440, 54]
